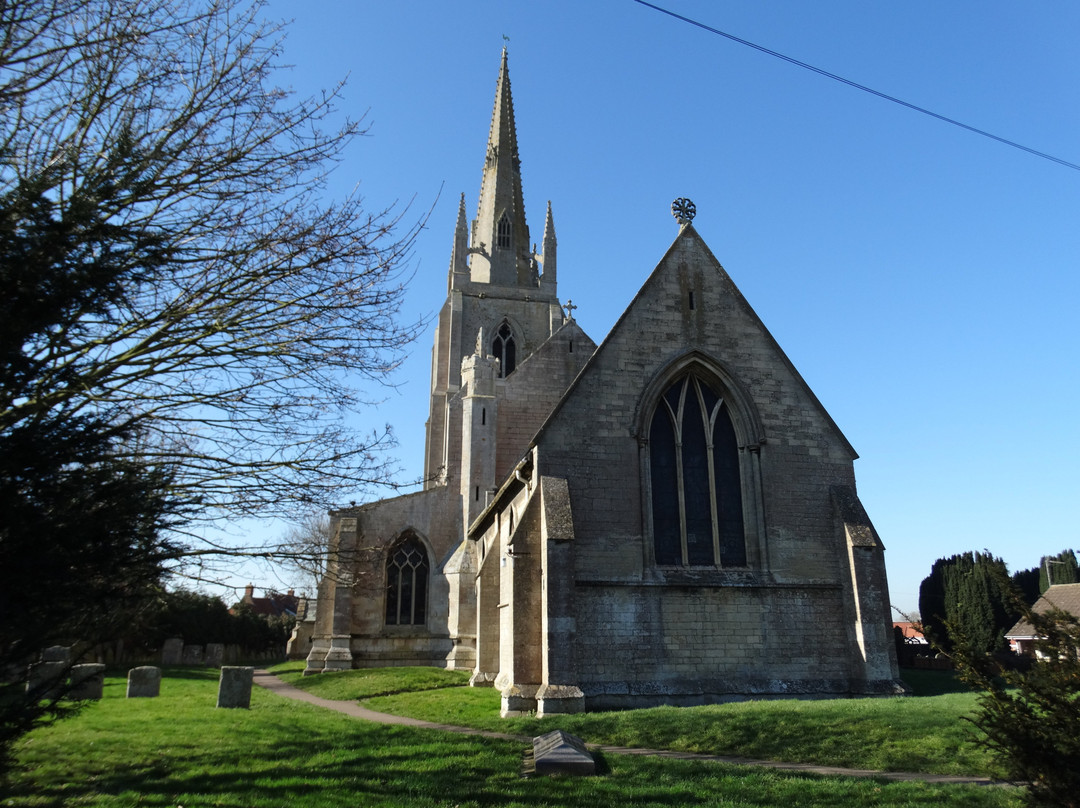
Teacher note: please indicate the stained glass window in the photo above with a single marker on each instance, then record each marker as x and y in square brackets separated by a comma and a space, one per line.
[406, 583]
[696, 486]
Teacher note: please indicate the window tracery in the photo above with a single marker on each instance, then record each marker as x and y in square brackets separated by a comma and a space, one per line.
[504, 349]
[406, 583]
[695, 478]
[503, 232]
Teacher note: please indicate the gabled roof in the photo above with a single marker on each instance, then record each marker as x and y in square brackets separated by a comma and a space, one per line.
[1065, 597]
[688, 233]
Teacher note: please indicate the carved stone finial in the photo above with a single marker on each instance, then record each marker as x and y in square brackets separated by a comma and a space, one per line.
[569, 307]
[683, 210]
[480, 344]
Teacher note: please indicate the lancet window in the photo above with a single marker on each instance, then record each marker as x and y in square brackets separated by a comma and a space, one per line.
[696, 486]
[504, 349]
[503, 231]
[406, 583]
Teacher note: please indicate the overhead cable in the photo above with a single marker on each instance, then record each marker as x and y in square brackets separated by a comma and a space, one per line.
[858, 86]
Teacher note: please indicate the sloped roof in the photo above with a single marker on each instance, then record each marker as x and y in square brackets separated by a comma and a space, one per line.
[688, 233]
[1065, 597]
[275, 604]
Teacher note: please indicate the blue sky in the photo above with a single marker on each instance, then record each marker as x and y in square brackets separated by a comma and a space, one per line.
[923, 279]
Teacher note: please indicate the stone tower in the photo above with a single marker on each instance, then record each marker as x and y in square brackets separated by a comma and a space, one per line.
[496, 285]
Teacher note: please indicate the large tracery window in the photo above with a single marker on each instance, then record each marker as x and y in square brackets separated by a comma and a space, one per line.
[503, 348]
[696, 485]
[406, 583]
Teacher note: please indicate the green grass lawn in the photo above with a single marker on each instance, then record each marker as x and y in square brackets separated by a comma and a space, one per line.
[922, 734]
[178, 750]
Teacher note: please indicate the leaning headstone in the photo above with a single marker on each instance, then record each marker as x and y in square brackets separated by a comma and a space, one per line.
[87, 682]
[144, 682]
[46, 679]
[559, 752]
[234, 687]
[215, 654]
[193, 655]
[172, 652]
[56, 653]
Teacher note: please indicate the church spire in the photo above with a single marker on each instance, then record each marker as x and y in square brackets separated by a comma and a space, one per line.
[500, 236]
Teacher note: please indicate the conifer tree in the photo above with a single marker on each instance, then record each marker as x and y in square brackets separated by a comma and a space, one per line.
[1058, 569]
[963, 597]
[1030, 719]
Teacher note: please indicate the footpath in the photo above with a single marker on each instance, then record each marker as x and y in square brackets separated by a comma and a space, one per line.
[267, 680]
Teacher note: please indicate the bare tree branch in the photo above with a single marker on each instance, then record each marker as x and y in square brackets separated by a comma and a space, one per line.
[257, 307]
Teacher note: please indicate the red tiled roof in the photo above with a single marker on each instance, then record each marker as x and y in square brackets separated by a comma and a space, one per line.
[909, 631]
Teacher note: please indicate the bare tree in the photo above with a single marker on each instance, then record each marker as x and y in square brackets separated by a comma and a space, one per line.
[251, 307]
[304, 551]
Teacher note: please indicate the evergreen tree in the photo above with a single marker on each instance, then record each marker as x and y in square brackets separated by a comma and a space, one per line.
[1027, 582]
[1058, 569]
[963, 601]
[1030, 719]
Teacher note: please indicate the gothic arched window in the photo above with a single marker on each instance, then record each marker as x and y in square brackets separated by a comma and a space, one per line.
[502, 232]
[696, 484]
[406, 583]
[503, 349]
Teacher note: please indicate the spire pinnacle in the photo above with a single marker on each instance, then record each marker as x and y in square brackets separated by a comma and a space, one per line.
[549, 246]
[459, 256]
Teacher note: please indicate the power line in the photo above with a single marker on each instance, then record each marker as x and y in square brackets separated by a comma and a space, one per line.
[858, 86]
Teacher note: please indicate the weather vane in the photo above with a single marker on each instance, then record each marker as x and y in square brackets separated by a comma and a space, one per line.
[683, 210]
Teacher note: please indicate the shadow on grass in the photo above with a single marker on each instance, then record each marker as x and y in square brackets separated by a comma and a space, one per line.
[401, 766]
[933, 683]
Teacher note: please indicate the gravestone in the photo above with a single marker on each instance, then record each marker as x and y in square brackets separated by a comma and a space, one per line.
[56, 653]
[144, 682]
[215, 655]
[559, 752]
[87, 682]
[193, 655]
[46, 679]
[234, 686]
[172, 652]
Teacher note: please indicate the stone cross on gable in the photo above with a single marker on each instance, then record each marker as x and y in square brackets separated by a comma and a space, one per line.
[570, 308]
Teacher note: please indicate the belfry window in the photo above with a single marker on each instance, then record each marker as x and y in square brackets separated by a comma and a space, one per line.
[406, 583]
[503, 349]
[696, 486]
[503, 231]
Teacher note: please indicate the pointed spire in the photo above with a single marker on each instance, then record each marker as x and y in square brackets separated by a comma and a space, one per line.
[549, 245]
[459, 256]
[500, 228]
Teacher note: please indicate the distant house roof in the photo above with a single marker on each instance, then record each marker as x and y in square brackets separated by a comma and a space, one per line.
[1061, 596]
[274, 604]
[911, 634]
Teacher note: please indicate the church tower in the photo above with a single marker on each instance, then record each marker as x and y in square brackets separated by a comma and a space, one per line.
[497, 287]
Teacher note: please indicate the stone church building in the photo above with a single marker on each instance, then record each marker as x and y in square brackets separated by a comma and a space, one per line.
[668, 517]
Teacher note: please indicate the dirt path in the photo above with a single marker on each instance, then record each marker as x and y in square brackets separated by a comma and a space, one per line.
[356, 710]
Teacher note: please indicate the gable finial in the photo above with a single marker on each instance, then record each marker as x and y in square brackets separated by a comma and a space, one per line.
[683, 210]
